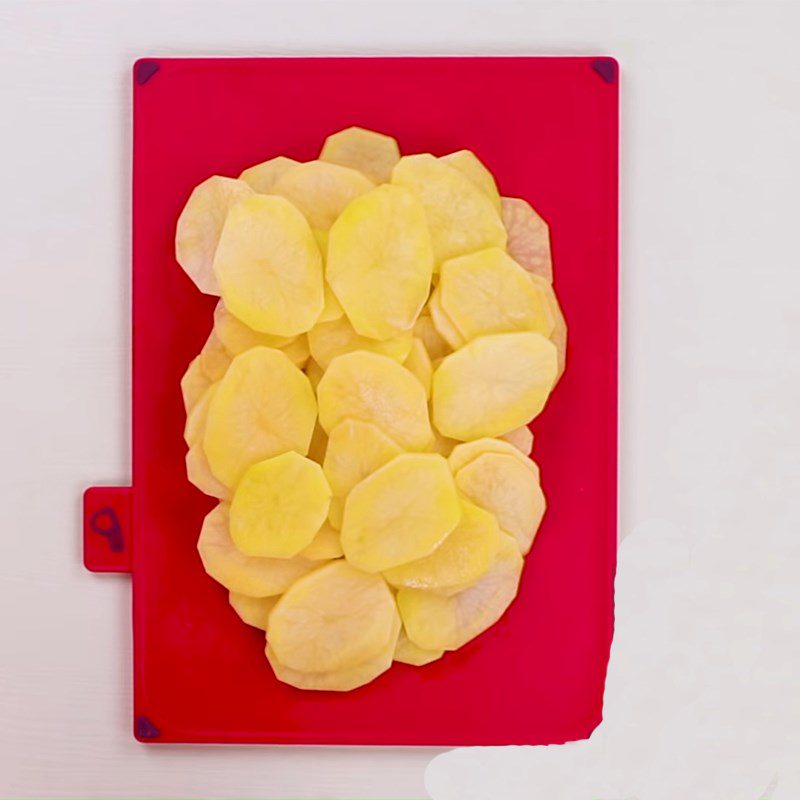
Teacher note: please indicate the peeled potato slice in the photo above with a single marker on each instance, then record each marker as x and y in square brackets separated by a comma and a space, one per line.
[465, 555]
[436, 622]
[325, 545]
[194, 384]
[269, 267]
[400, 513]
[236, 337]
[466, 452]
[279, 505]
[443, 323]
[372, 153]
[493, 385]
[319, 444]
[255, 577]
[461, 217]
[558, 335]
[254, 611]
[200, 225]
[199, 474]
[509, 489]
[313, 371]
[214, 358]
[336, 512]
[336, 617]
[521, 438]
[418, 363]
[528, 237]
[442, 444]
[321, 191]
[262, 177]
[406, 652]
[435, 344]
[197, 416]
[264, 406]
[298, 351]
[374, 388]
[330, 339]
[380, 261]
[466, 162]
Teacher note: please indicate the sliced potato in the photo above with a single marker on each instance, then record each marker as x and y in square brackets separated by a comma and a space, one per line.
[336, 512]
[435, 343]
[444, 324]
[254, 611]
[521, 438]
[332, 309]
[236, 337]
[325, 545]
[466, 162]
[493, 385]
[278, 506]
[319, 444]
[262, 177]
[196, 417]
[328, 340]
[372, 153]
[200, 225]
[466, 452]
[214, 358]
[199, 474]
[558, 336]
[380, 261]
[442, 445]
[313, 371]
[269, 267]
[298, 351]
[528, 237]
[418, 363]
[406, 652]
[194, 383]
[400, 513]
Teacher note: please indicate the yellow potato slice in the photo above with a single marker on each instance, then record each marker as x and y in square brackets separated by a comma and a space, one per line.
[262, 177]
[406, 652]
[200, 225]
[332, 309]
[236, 337]
[328, 340]
[313, 371]
[463, 557]
[493, 385]
[298, 351]
[264, 406]
[466, 452]
[254, 611]
[558, 336]
[418, 363]
[509, 489]
[199, 474]
[374, 388]
[442, 444]
[372, 153]
[255, 577]
[269, 267]
[400, 513]
[341, 680]
[488, 292]
[194, 384]
[355, 450]
[435, 343]
[443, 323]
[333, 618]
[278, 506]
[528, 237]
[461, 217]
[466, 162]
[437, 622]
[196, 417]
[321, 191]
[319, 444]
[336, 512]
[325, 545]
[380, 261]
[521, 438]
[214, 358]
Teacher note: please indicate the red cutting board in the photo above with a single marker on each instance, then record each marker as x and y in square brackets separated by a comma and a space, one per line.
[547, 128]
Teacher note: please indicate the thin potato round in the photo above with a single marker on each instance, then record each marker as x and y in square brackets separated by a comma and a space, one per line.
[214, 358]
[558, 335]
[199, 474]
[194, 384]
[435, 344]
[466, 452]
[298, 351]
[236, 337]
[443, 323]
[528, 237]
[313, 371]
[406, 652]
[261, 177]
[318, 445]
[336, 512]
[196, 417]
[521, 438]
[254, 611]
[325, 545]
[466, 162]
[374, 154]
[418, 363]
[327, 340]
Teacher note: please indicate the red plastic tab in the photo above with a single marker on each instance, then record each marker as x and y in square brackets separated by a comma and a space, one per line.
[107, 529]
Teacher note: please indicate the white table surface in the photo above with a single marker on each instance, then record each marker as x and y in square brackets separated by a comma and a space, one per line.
[703, 692]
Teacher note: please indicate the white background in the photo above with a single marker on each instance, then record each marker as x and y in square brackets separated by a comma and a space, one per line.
[703, 693]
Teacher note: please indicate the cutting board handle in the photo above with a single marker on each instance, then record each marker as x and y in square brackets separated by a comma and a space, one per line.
[107, 528]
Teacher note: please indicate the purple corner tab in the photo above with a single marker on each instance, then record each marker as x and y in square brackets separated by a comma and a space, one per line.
[606, 68]
[144, 69]
[144, 729]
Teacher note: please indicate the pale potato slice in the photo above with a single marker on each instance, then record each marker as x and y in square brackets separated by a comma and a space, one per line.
[264, 406]
[278, 506]
[199, 474]
[435, 343]
[325, 545]
[262, 177]
[328, 340]
[461, 217]
[521, 438]
[319, 444]
[269, 267]
[509, 489]
[418, 363]
[200, 225]
[332, 310]
[313, 371]
[463, 557]
[466, 452]
[493, 385]
[336, 512]
[255, 577]
[400, 513]
[254, 611]
[321, 191]
[196, 417]
[214, 358]
[341, 680]
[236, 337]
[528, 237]
[298, 351]
[442, 444]
[380, 261]
[488, 292]
[372, 153]
[406, 652]
[558, 336]
[436, 622]
[334, 618]
[374, 388]
[194, 383]
[443, 323]
[466, 162]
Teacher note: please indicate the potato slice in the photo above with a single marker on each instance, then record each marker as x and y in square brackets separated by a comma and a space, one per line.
[278, 506]
[400, 513]
[436, 622]
[254, 611]
[372, 153]
[332, 310]
[460, 216]
[264, 406]
[463, 557]
[325, 545]
[255, 577]
[380, 261]
[444, 324]
[493, 385]
[558, 336]
[200, 225]
[321, 191]
[334, 618]
[214, 358]
[196, 418]
[328, 340]
[236, 337]
[262, 177]
[435, 343]
[313, 371]
[194, 384]
[269, 267]
[509, 489]
[466, 162]
[442, 445]
[406, 652]
[298, 351]
[342, 680]
[319, 444]
[521, 438]
[374, 388]
[336, 512]
[466, 452]
[488, 292]
[528, 237]
[418, 363]
[199, 474]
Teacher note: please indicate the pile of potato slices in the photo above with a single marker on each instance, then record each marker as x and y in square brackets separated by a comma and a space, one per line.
[386, 331]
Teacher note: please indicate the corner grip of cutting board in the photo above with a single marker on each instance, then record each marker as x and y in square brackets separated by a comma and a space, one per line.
[107, 528]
